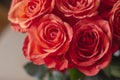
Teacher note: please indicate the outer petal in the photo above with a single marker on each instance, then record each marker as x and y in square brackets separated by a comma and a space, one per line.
[95, 68]
[79, 9]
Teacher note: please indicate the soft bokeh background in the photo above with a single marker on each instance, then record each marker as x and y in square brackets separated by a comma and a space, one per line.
[11, 57]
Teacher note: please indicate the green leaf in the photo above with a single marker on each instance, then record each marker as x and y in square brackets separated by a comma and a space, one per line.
[36, 70]
[115, 67]
[76, 75]
[93, 78]
[50, 78]
[107, 71]
[58, 75]
[103, 76]
[115, 71]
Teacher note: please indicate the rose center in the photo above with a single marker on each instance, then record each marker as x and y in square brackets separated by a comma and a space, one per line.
[32, 8]
[86, 38]
[53, 33]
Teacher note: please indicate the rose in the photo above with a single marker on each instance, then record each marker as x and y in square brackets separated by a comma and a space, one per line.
[109, 2]
[90, 46]
[48, 41]
[89, 51]
[115, 20]
[78, 8]
[23, 12]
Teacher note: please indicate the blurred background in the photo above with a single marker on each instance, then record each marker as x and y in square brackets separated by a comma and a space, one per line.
[12, 60]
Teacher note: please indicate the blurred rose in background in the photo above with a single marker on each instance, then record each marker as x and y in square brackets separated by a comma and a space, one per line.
[11, 57]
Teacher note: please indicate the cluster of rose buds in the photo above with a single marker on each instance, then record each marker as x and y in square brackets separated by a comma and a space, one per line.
[63, 34]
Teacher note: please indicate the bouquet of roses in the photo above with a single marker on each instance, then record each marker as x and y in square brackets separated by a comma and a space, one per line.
[65, 34]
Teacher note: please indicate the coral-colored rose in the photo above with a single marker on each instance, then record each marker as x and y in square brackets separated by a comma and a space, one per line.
[23, 12]
[78, 8]
[115, 20]
[48, 41]
[89, 51]
[109, 2]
